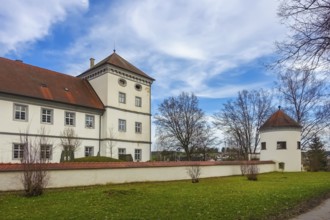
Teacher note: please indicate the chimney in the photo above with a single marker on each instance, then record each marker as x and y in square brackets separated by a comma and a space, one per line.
[91, 62]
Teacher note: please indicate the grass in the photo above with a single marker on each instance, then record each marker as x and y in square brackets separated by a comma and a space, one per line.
[274, 194]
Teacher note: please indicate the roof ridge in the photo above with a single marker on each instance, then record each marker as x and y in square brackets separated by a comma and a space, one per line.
[116, 60]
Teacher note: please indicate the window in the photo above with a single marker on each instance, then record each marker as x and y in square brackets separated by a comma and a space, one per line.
[281, 145]
[46, 116]
[45, 152]
[89, 151]
[20, 112]
[138, 87]
[89, 121]
[263, 145]
[298, 145]
[121, 125]
[137, 154]
[122, 97]
[68, 152]
[18, 150]
[121, 151]
[138, 127]
[70, 118]
[122, 82]
[138, 101]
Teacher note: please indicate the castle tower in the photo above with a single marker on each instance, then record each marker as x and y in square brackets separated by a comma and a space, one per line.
[280, 141]
[125, 92]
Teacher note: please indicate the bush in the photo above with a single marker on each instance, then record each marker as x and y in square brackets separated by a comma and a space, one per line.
[250, 170]
[96, 159]
[126, 157]
[281, 166]
[194, 172]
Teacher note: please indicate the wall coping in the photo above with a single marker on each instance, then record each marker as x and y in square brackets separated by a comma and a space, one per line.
[8, 167]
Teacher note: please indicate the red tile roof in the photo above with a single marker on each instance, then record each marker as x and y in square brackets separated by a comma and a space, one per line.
[116, 60]
[279, 120]
[22, 79]
[6, 167]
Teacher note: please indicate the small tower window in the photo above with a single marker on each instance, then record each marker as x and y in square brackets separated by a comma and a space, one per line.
[263, 145]
[281, 145]
[298, 145]
[122, 82]
[138, 87]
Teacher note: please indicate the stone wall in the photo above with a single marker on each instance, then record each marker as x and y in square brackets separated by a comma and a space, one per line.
[84, 174]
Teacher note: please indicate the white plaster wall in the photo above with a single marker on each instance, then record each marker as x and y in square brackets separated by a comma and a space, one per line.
[10, 129]
[130, 149]
[100, 86]
[131, 92]
[6, 143]
[111, 118]
[108, 88]
[290, 156]
[34, 124]
[69, 178]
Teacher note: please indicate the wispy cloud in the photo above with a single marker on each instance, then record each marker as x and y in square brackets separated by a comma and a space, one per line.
[184, 45]
[24, 22]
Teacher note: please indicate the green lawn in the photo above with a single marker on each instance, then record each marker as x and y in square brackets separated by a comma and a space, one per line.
[216, 198]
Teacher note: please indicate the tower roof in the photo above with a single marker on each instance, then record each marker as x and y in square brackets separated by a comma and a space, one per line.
[116, 60]
[279, 120]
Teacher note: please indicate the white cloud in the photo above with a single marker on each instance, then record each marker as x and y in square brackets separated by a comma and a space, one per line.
[24, 22]
[183, 44]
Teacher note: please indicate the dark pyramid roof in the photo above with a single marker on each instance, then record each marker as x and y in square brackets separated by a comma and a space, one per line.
[116, 60]
[22, 79]
[279, 120]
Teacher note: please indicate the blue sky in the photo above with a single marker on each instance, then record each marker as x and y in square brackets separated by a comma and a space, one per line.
[213, 48]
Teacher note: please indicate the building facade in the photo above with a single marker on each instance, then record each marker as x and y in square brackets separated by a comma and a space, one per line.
[107, 108]
[280, 141]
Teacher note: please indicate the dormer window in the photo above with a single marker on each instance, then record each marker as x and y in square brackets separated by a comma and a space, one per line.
[138, 87]
[122, 82]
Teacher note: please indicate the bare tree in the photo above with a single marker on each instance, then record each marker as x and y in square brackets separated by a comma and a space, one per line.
[241, 118]
[36, 153]
[111, 143]
[179, 121]
[206, 141]
[70, 142]
[308, 43]
[307, 100]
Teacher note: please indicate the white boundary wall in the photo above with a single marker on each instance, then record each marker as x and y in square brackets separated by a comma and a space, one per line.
[91, 175]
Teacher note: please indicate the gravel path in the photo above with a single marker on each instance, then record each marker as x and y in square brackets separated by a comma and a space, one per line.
[321, 212]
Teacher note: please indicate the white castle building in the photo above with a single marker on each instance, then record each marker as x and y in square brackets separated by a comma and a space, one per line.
[108, 107]
[280, 141]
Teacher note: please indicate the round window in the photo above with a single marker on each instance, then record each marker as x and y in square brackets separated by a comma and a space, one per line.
[138, 87]
[122, 82]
